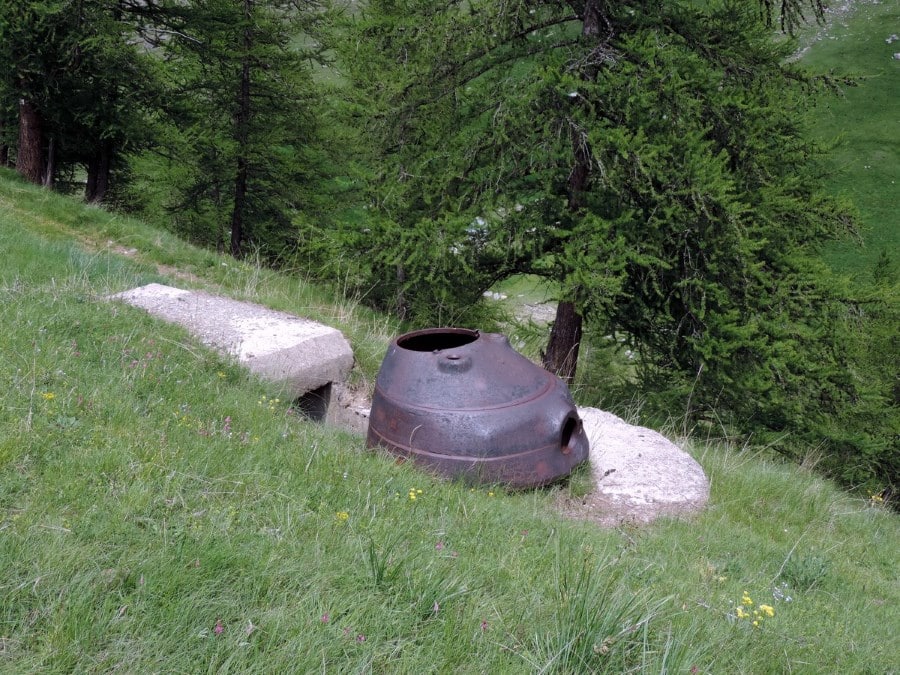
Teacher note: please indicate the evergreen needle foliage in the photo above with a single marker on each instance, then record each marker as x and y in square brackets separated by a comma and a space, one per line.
[649, 159]
[233, 162]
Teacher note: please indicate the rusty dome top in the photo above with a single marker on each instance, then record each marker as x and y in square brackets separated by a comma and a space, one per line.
[435, 368]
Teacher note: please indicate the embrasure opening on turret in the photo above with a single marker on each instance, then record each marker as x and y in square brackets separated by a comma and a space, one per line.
[569, 428]
[433, 340]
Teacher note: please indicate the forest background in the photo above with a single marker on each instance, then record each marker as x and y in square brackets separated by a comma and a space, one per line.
[657, 170]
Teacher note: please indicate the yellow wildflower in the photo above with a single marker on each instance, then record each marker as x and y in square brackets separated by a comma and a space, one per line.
[342, 516]
[768, 610]
[48, 395]
[746, 600]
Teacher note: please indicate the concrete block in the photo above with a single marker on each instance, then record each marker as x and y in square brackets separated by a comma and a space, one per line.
[639, 474]
[295, 354]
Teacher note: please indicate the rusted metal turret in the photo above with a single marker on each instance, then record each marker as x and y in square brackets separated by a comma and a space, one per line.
[465, 404]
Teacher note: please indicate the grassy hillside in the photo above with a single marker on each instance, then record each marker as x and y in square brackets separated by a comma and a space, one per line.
[863, 125]
[159, 511]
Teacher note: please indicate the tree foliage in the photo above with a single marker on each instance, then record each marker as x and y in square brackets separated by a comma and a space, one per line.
[650, 159]
[239, 130]
[77, 71]
[221, 88]
[792, 14]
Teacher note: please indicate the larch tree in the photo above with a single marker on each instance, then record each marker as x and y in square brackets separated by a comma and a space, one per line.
[26, 56]
[649, 158]
[82, 83]
[518, 109]
[243, 118]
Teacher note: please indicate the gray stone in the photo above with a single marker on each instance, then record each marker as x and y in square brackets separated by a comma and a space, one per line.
[638, 474]
[349, 409]
[295, 354]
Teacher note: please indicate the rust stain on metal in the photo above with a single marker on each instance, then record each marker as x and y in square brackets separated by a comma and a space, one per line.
[466, 405]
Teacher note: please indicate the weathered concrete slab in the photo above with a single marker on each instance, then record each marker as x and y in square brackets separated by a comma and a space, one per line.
[296, 354]
[639, 474]
[349, 409]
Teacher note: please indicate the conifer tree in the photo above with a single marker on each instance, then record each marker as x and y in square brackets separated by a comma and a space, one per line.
[512, 97]
[240, 130]
[81, 83]
[649, 158]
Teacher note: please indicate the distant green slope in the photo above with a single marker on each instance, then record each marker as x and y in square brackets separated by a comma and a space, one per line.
[865, 123]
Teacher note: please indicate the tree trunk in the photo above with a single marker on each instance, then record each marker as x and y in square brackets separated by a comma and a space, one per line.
[580, 175]
[4, 146]
[50, 166]
[561, 356]
[242, 135]
[31, 141]
[217, 203]
[98, 174]
[400, 308]
[237, 212]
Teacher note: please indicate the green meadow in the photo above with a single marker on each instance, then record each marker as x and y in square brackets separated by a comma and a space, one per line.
[861, 126]
[161, 511]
